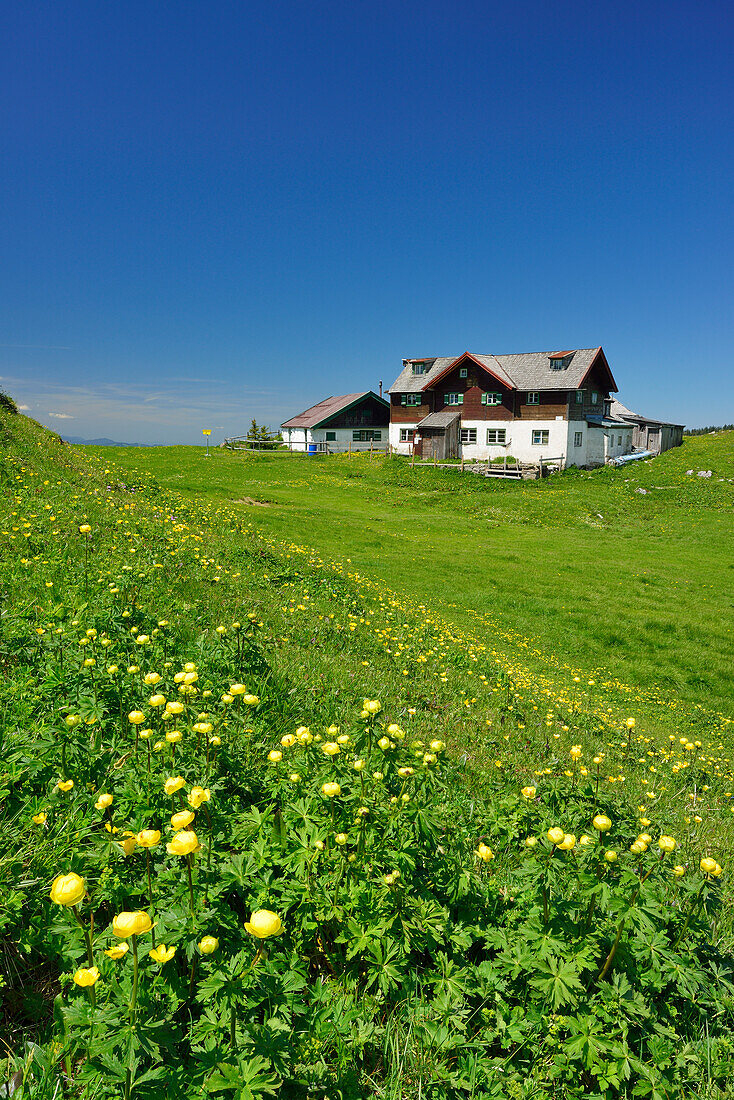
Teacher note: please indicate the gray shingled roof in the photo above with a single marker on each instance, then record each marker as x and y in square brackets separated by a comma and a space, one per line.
[327, 408]
[440, 419]
[618, 409]
[526, 371]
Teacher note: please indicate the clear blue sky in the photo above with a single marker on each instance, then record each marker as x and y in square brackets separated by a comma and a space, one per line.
[219, 210]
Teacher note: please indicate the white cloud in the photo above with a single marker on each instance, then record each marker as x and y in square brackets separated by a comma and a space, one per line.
[24, 408]
[61, 416]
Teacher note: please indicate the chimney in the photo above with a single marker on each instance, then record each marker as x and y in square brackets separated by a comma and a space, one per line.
[380, 387]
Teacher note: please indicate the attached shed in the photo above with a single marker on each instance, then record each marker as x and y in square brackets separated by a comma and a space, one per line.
[648, 434]
[437, 435]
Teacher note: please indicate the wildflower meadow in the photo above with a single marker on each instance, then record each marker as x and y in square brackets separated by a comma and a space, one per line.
[271, 828]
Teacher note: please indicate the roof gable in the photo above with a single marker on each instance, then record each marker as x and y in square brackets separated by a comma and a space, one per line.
[523, 371]
[327, 409]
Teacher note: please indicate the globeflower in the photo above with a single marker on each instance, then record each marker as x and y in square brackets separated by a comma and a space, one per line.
[136, 717]
[263, 924]
[162, 954]
[602, 823]
[568, 842]
[555, 835]
[199, 795]
[330, 748]
[173, 784]
[127, 924]
[485, 853]
[528, 792]
[372, 706]
[275, 756]
[331, 790]
[128, 843]
[183, 843]
[575, 752]
[208, 945]
[710, 867]
[65, 784]
[39, 818]
[118, 951]
[86, 976]
[148, 838]
[610, 856]
[67, 889]
[182, 819]
[103, 802]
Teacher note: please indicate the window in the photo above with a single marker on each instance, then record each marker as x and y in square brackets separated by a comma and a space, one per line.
[496, 435]
[405, 434]
[533, 398]
[463, 372]
[420, 368]
[410, 399]
[619, 440]
[453, 399]
[561, 363]
[540, 438]
[579, 397]
[468, 435]
[594, 397]
[578, 439]
[491, 398]
[331, 437]
[366, 435]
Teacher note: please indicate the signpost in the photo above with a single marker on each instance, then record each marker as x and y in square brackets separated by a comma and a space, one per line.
[206, 432]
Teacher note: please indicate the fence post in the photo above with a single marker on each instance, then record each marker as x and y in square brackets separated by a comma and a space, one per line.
[412, 454]
[350, 450]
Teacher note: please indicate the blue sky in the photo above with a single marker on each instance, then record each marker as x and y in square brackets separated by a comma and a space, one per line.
[214, 211]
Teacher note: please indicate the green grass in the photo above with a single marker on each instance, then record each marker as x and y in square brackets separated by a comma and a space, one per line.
[581, 570]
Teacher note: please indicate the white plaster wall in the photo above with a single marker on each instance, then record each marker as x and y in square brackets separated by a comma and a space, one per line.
[596, 444]
[395, 444]
[344, 439]
[481, 451]
[296, 438]
[519, 440]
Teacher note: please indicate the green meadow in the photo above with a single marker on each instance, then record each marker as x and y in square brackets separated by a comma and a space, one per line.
[616, 572]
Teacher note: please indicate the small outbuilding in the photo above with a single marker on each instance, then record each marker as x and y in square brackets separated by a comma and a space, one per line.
[352, 421]
[651, 435]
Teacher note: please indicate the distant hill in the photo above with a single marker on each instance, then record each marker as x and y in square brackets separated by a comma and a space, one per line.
[106, 442]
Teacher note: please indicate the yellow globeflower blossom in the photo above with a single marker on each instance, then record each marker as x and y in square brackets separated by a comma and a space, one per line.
[330, 748]
[65, 784]
[148, 838]
[530, 841]
[251, 700]
[128, 843]
[710, 867]
[173, 783]
[630, 723]
[157, 700]
[528, 792]
[208, 945]
[287, 740]
[610, 856]
[485, 853]
[136, 717]
[275, 756]
[182, 819]
[331, 790]
[151, 679]
[679, 870]
[602, 823]
[568, 842]
[86, 976]
[638, 847]
[575, 752]
[237, 689]
[84, 529]
[585, 841]
[67, 889]
[555, 835]
[263, 924]
[162, 954]
[103, 802]
[341, 838]
[175, 707]
[39, 818]
[183, 843]
[372, 706]
[199, 795]
[173, 736]
[131, 924]
[118, 951]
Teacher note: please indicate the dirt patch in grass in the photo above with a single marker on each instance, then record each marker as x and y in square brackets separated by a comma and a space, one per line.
[252, 501]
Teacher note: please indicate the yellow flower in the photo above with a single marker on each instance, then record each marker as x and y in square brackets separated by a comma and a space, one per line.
[131, 924]
[251, 700]
[630, 723]
[182, 819]
[528, 792]
[175, 707]
[40, 818]
[128, 843]
[710, 867]
[568, 842]
[638, 847]
[136, 717]
[555, 835]
[602, 823]
[148, 838]
[103, 802]
[358, 765]
[151, 679]
[530, 841]
[173, 783]
[275, 756]
[585, 841]
[575, 752]
[67, 889]
[331, 790]
[208, 945]
[199, 795]
[65, 784]
[485, 853]
[118, 951]
[330, 748]
[294, 777]
[237, 689]
[341, 838]
[610, 856]
[173, 736]
[287, 740]
[162, 954]
[183, 843]
[84, 529]
[86, 977]
[263, 924]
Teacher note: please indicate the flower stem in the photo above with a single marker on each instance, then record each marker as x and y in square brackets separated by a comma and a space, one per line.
[191, 890]
[150, 889]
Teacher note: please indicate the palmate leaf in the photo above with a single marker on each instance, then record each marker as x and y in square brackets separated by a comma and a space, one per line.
[558, 980]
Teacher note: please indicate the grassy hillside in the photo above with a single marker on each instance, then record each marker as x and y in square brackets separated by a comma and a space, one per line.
[391, 849]
[625, 573]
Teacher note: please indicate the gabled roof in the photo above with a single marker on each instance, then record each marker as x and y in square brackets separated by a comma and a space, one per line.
[328, 408]
[524, 371]
[440, 419]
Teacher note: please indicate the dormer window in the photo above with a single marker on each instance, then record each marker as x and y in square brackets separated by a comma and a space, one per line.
[420, 366]
[560, 360]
